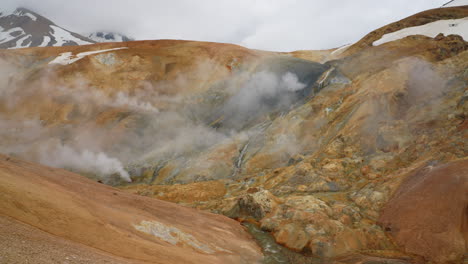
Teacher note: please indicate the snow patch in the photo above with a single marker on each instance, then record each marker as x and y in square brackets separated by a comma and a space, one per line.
[6, 36]
[45, 41]
[103, 36]
[66, 57]
[23, 13]
[324, 77]
[341, 49]
[447, 27]
[63, 36]
[33, 17]
[21, 41]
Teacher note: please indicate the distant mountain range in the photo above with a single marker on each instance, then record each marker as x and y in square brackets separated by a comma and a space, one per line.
[24, 28]
[105, 36]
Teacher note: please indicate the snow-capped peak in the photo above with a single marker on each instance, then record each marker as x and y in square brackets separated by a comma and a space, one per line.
[107, 36]
[23, 28]
[25, 12]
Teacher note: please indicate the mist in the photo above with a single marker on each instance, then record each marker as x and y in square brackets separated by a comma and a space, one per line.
[263, 92]
[85, 161]
[414, 87]
[102, 132]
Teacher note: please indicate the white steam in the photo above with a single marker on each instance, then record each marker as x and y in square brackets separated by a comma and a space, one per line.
[62, 156]
[291, 82]
[266, 84]
[260, 94]
[102, 130]
[123, 99]
[29, 139]
[85, 94]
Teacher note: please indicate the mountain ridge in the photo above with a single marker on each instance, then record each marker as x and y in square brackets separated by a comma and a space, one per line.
[24, 28]
[315, 152]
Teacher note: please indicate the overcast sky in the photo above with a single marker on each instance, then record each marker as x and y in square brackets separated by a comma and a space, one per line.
[280, 25]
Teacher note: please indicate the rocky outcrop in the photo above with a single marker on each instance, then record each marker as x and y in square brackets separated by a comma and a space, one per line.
[307, 224]
[428, 216]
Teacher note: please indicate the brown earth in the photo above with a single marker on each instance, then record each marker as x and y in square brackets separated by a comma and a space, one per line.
[22, 243]
[428, 214]
[124, 225]
[312, 55]
[182, 193]
[142, 63]
[316, 177]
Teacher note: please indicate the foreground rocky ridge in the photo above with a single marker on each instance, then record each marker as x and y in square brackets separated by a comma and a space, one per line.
[131, 227]
[433, 191]
[332, 162]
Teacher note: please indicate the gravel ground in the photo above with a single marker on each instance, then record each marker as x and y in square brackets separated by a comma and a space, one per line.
[23, 244]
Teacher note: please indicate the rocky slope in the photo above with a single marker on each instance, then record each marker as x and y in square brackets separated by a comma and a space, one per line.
[433, 191]
[339, 156]
[186, 95]
[132, 227]
[24, 28]
[22, 243]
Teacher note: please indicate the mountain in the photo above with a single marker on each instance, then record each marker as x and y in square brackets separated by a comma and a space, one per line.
[446, 21]
[348, 155]
[24, 28]
[105, 36]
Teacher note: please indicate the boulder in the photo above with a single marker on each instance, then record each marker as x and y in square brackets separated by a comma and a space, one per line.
[292, 236]
[256, 205]
[428, 216]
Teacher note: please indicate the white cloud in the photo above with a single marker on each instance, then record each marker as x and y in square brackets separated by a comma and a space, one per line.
[263, 24]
